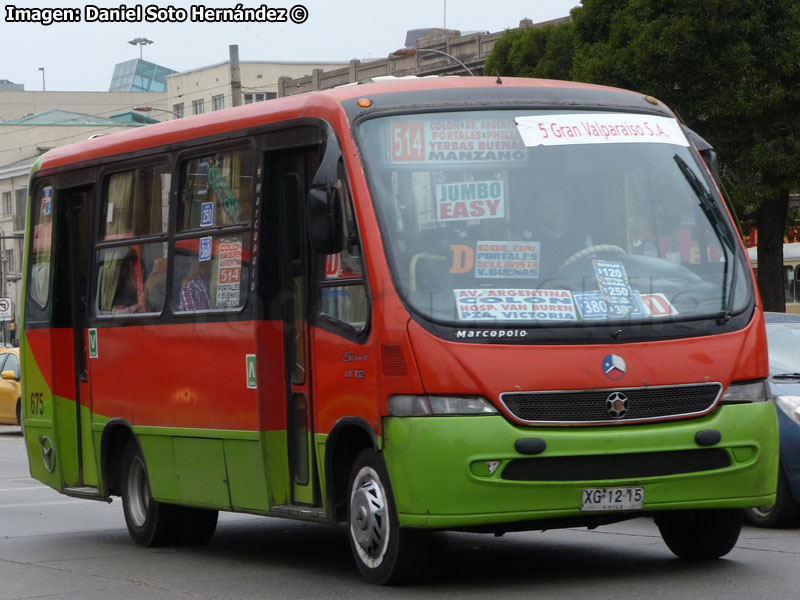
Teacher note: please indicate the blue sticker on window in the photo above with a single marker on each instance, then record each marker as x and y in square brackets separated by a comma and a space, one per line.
[206, 214]
[205, 249]
[592, 305]
[47, 200]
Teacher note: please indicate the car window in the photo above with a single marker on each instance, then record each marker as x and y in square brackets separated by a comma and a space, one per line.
[3, 358]
[11, 364]
[783, 340]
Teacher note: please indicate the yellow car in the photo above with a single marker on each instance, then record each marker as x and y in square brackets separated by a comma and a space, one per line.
[10, 389]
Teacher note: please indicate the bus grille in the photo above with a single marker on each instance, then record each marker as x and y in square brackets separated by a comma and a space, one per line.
[615, 466]
[591, 406]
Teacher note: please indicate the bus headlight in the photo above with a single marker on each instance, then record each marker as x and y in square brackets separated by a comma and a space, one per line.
[791, 406]
[742, 393]
[421, 406]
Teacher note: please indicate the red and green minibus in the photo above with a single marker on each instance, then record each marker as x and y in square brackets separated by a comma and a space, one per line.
[473, 304]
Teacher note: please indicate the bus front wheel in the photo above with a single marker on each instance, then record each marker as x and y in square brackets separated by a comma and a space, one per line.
[700, 534]
[150, 523]
[384, 552]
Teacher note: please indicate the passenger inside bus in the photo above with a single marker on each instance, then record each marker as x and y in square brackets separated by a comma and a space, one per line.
[126, 297]
[194, 293]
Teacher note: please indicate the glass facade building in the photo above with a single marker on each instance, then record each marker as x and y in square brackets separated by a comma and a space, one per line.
[139, 75]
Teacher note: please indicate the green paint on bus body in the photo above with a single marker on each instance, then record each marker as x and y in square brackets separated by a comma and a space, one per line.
[440, 475]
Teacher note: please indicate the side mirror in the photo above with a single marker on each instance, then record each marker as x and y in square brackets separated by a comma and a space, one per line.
[10, 375]
[712, 160]
[324, 214]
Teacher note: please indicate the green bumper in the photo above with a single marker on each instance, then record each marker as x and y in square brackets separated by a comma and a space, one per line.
[439, 467]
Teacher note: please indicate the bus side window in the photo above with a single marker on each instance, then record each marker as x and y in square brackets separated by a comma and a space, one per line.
[796, 291]
[788, 283]
[131, 275]
[342, 293]
[39, 281]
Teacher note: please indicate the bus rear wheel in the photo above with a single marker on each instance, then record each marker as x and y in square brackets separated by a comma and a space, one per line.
[384, 552]
[700, 534]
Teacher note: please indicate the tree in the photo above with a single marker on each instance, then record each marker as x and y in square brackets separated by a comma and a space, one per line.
[731, 70]
[544, 52]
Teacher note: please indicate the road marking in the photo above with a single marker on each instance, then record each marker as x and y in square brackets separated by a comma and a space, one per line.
[26, 504]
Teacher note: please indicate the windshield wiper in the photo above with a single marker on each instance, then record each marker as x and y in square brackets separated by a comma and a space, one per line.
[787, 376]
[711, 212]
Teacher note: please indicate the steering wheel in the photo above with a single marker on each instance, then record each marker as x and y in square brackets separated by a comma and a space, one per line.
[592, 251]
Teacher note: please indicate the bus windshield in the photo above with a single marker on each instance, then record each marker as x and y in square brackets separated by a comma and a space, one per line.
[540, 218]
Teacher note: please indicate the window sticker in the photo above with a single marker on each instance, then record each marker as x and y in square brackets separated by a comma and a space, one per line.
[470, 200]
[47, 200]
[514, 305]
[93, 352]
[206, 214]
[205, 249]
[507, 260]
[443, 141]
[614, 287]
[599, 128]
[657, 305]
[250, 366]
[592, 305]
[229, 274]
[217, 182]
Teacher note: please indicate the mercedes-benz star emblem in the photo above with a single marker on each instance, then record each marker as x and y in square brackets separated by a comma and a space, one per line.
[48, 456]
[614, 366]
[617, 404]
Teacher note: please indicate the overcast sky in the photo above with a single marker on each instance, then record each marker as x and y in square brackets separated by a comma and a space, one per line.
[81, 56]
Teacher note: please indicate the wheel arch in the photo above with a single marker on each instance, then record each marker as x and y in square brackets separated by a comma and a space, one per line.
[115, 436]
[349, 436]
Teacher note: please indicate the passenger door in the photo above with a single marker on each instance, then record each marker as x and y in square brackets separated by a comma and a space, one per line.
[71, 298]
[288, 172]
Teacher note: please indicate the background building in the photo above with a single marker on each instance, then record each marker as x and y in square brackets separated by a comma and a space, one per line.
[211, 88]
[139, 75]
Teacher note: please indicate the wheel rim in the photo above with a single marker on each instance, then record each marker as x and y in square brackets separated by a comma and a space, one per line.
[369, 518]
[762, 512]
[138, 492]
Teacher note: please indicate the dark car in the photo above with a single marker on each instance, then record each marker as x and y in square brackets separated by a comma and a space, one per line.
[783, 341]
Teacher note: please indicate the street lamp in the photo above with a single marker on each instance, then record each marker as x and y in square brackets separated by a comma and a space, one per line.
[42, 70]
[140, 42]
[413, 51]
[149, 108]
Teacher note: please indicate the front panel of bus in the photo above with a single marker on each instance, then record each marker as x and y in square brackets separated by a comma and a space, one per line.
[581, 313]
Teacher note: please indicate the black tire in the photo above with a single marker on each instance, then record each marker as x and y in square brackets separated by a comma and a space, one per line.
[198, 524]
[19, 412]
[784, 513]
[700, 534]
[384, 553]
[150, 523]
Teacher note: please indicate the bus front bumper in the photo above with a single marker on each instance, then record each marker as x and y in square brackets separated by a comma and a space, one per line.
[453, 472]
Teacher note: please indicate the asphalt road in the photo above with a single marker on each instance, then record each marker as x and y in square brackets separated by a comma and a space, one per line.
[55, 547]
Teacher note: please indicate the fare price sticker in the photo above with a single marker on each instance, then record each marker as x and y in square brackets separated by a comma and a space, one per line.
[592, 305]
[613, 282]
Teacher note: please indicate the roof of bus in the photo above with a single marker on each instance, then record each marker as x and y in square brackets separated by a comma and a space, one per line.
[291, 107]
[791, 251]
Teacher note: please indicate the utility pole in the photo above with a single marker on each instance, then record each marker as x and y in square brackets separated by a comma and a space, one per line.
[236, 76]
